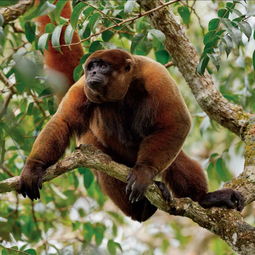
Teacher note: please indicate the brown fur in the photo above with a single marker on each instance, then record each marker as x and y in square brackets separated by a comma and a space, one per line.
[145, 128]
[68, 58]
[139, 119]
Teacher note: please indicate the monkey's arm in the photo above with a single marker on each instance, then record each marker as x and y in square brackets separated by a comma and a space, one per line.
[53, 140]
[159, 149]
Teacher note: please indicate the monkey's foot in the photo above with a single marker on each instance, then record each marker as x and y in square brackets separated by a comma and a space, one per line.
[228, 198]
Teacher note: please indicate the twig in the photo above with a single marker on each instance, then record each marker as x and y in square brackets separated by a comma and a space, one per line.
[123, 22]
[9, 86]
[169, 64]
[102, 13]
[6, 170]
[196, 14]
[5, 104]
[37, 102]
[7, 83]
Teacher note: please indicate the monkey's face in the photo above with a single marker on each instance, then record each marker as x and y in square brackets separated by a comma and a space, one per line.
[108, 75]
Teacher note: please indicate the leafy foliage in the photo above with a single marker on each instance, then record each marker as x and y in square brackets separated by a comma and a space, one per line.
[73, 215]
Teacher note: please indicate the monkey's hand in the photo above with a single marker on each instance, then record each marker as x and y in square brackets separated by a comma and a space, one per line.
[138, 180]
[227, 198]
[31, 180]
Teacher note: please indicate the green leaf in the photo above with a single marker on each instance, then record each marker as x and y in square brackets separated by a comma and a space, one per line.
[235, 33]
[222, 170]
[8, 2]
[237, 12]
[77, 72]
[210, 36]
[31, 251]
[162, 56]
[113, 246]
[57, 12]
[76, 14]
[228, 43]
[88, 11]
[43, 41]
[136, 40]
[69, 34]
[30, 108]
[223, 13]
[202, 64]
[93, 20]
[246, 28]
[129, 6]
[88, 177]
[51, 106]
[253, 59]
[157, 34]
[42, 9]
[99, 233]
[107, 35]
[49, 28]
[215, 58]
[1, 20]
[86, 31]
[30, 31]
[230, 6]
[55, 38]
[185, 14]
[88, 231]
[213, 24]
[96, 45]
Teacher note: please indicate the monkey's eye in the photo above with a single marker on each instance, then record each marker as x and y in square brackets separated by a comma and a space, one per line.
[103, 65]
[90, 66]
[127, 68]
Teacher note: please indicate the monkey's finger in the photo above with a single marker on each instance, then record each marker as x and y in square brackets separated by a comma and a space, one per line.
[139, 197]
[134, 194]
[21, 189]
[40, 183]
[130, 183]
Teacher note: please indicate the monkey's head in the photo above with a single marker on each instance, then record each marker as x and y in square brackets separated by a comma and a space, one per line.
[108, 75]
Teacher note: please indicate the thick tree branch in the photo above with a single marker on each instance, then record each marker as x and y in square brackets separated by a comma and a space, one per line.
[228, 224]
[186, 59]
[13, 12]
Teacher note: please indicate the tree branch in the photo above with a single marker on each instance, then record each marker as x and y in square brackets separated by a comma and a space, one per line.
[228, 224]
[186, 59]
[12, 12]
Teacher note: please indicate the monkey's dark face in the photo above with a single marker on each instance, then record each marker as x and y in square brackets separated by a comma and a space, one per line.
[108, 75]
[97, 74]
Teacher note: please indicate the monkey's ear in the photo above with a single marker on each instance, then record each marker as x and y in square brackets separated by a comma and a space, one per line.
[128, 65]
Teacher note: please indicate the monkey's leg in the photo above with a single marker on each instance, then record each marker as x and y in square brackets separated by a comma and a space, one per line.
[186, 179]
[115, 189]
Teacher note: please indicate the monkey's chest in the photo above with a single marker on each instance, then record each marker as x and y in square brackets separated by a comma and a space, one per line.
[116, 127]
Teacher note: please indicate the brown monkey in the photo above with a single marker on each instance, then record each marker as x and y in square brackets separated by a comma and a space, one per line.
[129, 107]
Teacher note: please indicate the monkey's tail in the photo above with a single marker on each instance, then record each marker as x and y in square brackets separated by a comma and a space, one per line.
[61, 64]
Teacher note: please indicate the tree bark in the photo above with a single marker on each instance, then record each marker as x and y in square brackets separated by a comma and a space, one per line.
[228, 224]
[12, 12]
